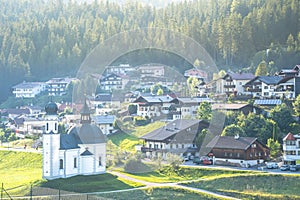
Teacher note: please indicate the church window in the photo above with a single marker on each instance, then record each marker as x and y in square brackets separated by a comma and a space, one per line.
[47, 126]
[61, 163]
[100, 163]
[75, 162]
[56, 126]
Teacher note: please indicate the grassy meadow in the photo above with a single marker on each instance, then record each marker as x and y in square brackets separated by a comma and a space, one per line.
[255, 186]
[20, 169]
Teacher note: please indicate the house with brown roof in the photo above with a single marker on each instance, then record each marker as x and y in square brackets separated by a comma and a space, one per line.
[176, 137]
[239, 151]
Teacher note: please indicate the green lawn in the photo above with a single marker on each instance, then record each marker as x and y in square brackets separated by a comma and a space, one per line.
[167, 174]
[259, 186]
[158, 194]
[86, 184]
[19, 169]
[128, 141]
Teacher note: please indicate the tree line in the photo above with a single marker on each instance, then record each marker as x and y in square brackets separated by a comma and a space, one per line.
[39, 40]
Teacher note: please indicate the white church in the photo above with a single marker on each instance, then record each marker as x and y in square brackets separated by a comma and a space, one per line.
[80, 151]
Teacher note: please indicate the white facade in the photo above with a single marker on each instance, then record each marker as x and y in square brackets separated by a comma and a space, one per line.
[58, 86]
[291, 147]
[28, 89]
[64, 156]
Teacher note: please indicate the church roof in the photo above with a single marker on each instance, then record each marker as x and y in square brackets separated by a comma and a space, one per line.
[86, 153]
[68, 142]
[87, 134]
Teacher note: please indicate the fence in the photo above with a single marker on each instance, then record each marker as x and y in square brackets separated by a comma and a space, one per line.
[43, 193]
[46, 193]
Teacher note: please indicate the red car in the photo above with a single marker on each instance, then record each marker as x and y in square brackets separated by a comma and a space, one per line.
[207, 162]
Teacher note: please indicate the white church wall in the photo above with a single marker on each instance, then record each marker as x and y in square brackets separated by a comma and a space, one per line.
[87, 165]
[51, 143]
[71, 168]
[100, 155]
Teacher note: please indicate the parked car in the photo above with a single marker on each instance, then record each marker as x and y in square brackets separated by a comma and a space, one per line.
[207, 162]
[284, 167]
[185, 158]
[272, 165]
[294, 168]
[197, 160]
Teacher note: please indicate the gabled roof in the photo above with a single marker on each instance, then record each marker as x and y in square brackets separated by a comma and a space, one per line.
[104, 119]
[179, 129]
[269, 80]
[86, 153]
[229, 142]
[286, 79]
[229, 106]
[27, 85]
[153, 99]
[239, 76]
[289, 136]
[103, 97]
[14, 111]
[68, 142]
[189, 100]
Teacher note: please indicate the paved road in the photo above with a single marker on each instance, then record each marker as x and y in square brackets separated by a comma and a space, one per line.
[175, 185]
[20, 149]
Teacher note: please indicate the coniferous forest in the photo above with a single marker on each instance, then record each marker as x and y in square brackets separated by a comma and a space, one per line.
[42, 39]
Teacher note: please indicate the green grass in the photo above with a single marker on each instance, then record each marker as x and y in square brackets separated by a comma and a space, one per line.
[259, 186]
[167, 174]
[142, 130]
[86, 184]
[159, 194]
[128, 141]
[19, 169]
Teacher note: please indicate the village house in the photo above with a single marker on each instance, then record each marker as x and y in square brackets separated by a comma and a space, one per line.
[176, 137]
[153, 106]
[121, 69]
[291, 148]
[105, 102]
[236, 107]
[234, 82]
[239, 151]
[196, 73]
[110, 82]
[151, 70]
[288, 87]
[188, 106]
[28, 89]
[58, 86]
[105, 123]
[263, 86]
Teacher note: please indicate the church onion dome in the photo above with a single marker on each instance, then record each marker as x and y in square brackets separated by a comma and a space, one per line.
[51, 108]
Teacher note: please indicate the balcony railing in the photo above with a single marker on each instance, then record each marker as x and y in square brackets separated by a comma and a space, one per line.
[149, 149]
[254, 90]
[229, 86]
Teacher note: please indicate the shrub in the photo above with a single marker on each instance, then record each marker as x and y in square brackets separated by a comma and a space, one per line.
[134, 165]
